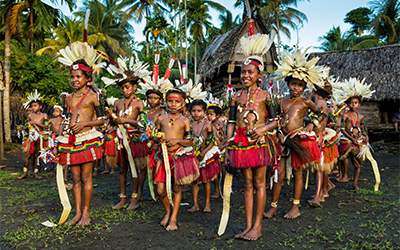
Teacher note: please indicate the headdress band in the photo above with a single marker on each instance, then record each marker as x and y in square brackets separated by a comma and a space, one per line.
[81, 67]
[250, 61]
[176, 97]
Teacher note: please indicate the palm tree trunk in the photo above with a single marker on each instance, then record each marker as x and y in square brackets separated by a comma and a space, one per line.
[180, 39]
[31, 26]
[186, 38]
[6, 97]
[147, 34]
[195, 62]
[1, 110]
[277, 32]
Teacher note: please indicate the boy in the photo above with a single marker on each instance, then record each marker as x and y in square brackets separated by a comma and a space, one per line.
[55, 125]
[207, 153]
[37, 123]
[81, 143]
[299, 143]
[183, 162]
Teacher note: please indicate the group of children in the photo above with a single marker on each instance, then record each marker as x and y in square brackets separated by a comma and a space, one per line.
[190, 143]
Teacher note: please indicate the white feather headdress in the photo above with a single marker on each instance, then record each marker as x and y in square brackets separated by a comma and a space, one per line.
[32, 97]
[78, 51]
[193, 91]
[352, 88]
[297, 66]
[214, 102]
[127, 68]
[256, 46]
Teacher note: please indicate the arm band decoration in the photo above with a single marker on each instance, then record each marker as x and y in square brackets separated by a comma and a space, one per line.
[99, 111]
[232, 114]
[271, 112]
[64, 113]
[187, 134]
[46, 122]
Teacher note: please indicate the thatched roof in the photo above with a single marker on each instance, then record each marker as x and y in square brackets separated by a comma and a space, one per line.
[222, 49]
[379, 66]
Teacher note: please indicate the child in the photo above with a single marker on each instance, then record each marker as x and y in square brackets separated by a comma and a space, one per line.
[299, 142]
[214, 112]
[183, 162]
[55, 125]
[207, 153]
[81, 143]
[110, 150]
[128, 112]
[37, 123]
[354, 131]
[320, 96]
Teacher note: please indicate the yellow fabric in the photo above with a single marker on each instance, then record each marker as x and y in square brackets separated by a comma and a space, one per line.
[376, 170]
[167, 172]
[62, 192]
[226, 204]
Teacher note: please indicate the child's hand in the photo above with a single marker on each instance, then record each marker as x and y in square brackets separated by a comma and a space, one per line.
[172, 142]
[108, 112]
[77, 127]
[120, 120]
[55, 153]
[227, 159]
[200, 157]
[308, 128]
[258, 132]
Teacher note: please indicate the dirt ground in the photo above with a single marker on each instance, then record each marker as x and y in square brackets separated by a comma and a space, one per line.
[348, 219]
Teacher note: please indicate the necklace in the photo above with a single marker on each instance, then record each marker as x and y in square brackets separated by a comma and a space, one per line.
[338, 112]
[69, 102]
[352, 123]
[151, 111]
[171, 120]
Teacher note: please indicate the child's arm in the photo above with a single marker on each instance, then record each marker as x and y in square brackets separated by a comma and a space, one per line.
[364, 129]
[185, 142]
[272, 120]
[317, 118]
[210, 145]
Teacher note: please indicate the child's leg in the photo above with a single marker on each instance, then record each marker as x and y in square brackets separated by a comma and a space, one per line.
[35, 161]
[276, 189]
[123, 169]
[216, 186]
[87, 192]
[134, 199]
[298, 188]
[177, 202]
[207, 192]
[195, 195]
[26, 165]
[161, 191]
[66, 173]
[96, 166]
[105, 171]
[142, 178]
[77, 191]
[318, 196]
[261, 198]
[357, 170]
[248, 200]
[345, 167]
[325, 184]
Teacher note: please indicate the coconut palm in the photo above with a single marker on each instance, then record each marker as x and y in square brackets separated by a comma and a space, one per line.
[227, 22]
[386, 20]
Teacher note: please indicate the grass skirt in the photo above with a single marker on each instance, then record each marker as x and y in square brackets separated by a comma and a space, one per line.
[183, 163]
[309, 142]
[211, 170]
[330, 154]
[253, 155]
[86, 148]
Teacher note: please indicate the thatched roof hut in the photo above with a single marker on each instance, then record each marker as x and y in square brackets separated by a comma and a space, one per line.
[223, 58]
[379, 66]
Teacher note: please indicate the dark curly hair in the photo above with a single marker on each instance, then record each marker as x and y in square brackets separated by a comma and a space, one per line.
[198, 102]
[176, 91]
[153, 91]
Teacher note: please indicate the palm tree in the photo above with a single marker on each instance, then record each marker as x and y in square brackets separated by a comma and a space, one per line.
[107, 31]
[280, 16]
[227, 22]
[386, 20]
[199, 20]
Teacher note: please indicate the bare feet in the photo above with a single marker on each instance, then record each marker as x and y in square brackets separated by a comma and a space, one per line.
[105, 172]
[164, 222]
[185, 188]
[140, 198]
[242, 234]
[85, 220]
[172, 226]
[195, 208]
[207, 209]
[24, 175]
[120, 204]
[2, 166]
[343, 179]
[95, 173]
[314, 202]
[271, 213]
[253, 234]
[65, 179]
[356, 187]
[134, 204]
[330, 187]
[215, 196]
[112, 172]
[74, 220]
[293, 213]
[37, 176]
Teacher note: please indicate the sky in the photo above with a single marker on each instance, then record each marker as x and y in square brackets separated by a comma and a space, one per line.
[322, 15]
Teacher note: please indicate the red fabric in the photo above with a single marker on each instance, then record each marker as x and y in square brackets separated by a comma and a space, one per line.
[241, 137]
[32, 148]
[343, 147]
[310, 144]
[138, 149]
[161, 176]
[81, 157]
[330, 153]
[109, 144]
[210, 171]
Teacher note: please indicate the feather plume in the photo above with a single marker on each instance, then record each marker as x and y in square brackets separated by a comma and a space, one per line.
[34, 96]
[256, 46]
[353, 88]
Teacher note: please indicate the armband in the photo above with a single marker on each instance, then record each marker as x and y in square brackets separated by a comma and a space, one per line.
[187, 134]
[64, 113]
[46, 122]
[271, 112]
[99, 111]
[232, 114]
[141, 112]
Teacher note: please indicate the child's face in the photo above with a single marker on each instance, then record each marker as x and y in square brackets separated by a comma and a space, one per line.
[296, 87]
[78, 79]
[57, 112]
[174, 103]
[153, 100]
[211, 115]
[250, 75]
[35, 107]
[128, 89]
[354, 104]
[29, 111]
[197, 112]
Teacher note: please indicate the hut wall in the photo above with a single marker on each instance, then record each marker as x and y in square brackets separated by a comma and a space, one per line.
[371, 113]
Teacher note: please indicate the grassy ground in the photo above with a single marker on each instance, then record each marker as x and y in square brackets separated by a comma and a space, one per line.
[348, 219]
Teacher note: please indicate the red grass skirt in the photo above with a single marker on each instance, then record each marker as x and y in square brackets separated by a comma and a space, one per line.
[184, 167]
[331, 153]
[80, 152]
[109, 144]
[265, 153]
[211, 170]
[310, 144]
[139, 152]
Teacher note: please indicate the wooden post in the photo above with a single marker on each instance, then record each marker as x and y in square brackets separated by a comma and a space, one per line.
[1, 111]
